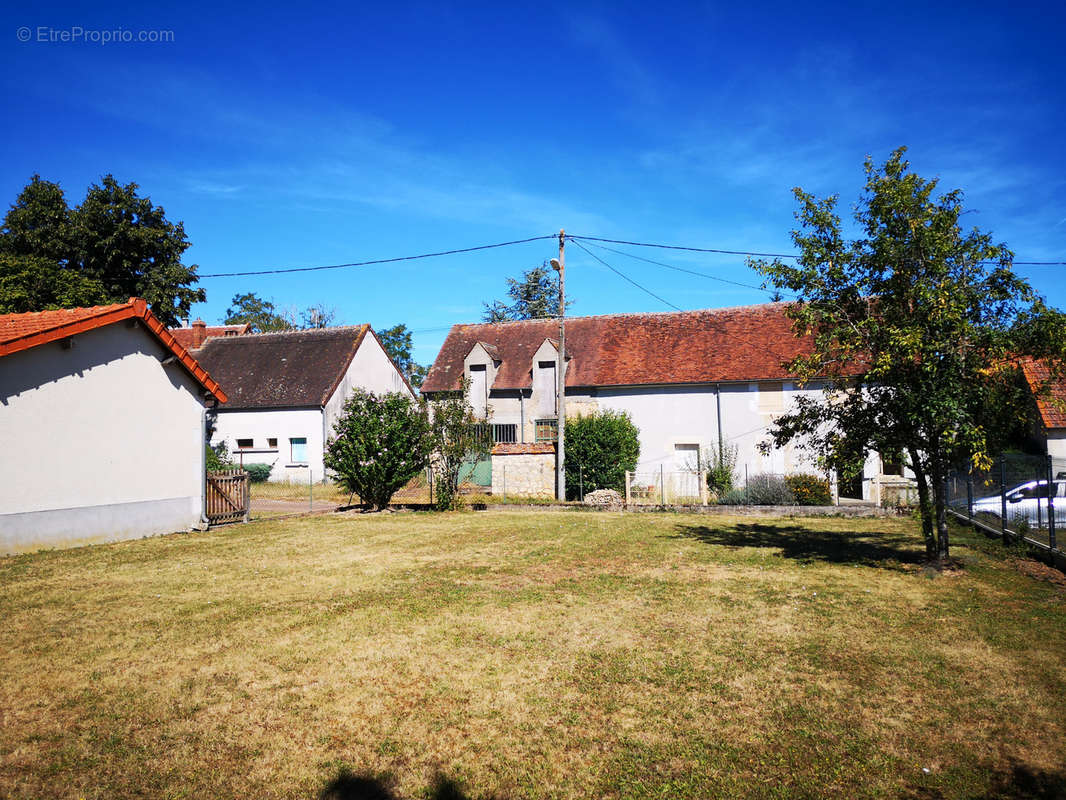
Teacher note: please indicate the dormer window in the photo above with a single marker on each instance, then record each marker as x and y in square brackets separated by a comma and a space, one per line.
[479, 389]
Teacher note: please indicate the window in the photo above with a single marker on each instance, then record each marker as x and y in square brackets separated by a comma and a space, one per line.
[245, 444]
[272, 443]
[507, 434]
[892, 464]
[298, 450]
[547, 430]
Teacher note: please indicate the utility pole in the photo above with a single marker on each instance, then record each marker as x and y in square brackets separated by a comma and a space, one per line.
[560, 374]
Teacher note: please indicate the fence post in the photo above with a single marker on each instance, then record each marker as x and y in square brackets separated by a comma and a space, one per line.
[310, 492]
[662, 485]
[247, 495]
[969, 497]
[1003, 498]
[703, 487]
[1051, 489]
[629, 494]
[503, 467]
[581, 482]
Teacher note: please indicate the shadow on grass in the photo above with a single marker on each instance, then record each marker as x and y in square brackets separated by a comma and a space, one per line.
[1019, 782]
[807, 544]
[350, 786]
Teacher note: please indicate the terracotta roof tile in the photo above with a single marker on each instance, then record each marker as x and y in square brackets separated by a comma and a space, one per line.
[521, 449]
[728, 344]
[282, 370]
[1050, 394]
[24, 331]
[185, 335]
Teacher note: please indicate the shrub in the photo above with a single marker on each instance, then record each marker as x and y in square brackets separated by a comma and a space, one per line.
[809, 490]
[456, 441]
[257, 473]
[733, 497]
[380, 442]
[600, 448]
[768, 490]
[722, 463]
[217, 457]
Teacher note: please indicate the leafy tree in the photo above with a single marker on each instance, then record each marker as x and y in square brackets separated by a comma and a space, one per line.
[600, 448]
[257, 312]
[915, 325]
[397, 343]
[114, 246]
[456, 441]
[30, 283]
[128, 245]
[535, 296]
[721, 460]
[379, 443]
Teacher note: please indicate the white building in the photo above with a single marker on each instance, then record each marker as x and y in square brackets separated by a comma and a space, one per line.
[286, 391]
[688, 380]
[102, 416]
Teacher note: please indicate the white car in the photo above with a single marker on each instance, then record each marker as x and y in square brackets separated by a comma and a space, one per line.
[1029, 501]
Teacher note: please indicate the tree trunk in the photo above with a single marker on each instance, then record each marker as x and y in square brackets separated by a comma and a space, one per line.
[925, 506]
[941, 504]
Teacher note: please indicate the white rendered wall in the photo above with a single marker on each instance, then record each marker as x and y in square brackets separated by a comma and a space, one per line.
[101, 441]
[284, 424]
[1056, 444]
[371, 369]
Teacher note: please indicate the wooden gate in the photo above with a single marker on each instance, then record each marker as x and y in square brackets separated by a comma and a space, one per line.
[228, 497]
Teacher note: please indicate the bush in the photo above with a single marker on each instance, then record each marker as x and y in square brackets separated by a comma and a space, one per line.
[600, 448]
[722, 463]
[768, 490]
[217, 457]
[257, 473]
[379, 444]
[809, 490]
[456, 440]
[733, 497]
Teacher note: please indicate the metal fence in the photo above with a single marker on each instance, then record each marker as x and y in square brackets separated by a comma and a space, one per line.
[662, 488]
[1021, 498]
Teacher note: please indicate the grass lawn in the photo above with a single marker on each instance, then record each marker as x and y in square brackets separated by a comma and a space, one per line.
[531, 655]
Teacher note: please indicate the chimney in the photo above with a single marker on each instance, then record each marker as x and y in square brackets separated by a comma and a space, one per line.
[199, 333]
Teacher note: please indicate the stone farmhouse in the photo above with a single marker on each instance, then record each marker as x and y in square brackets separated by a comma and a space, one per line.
[688, 380]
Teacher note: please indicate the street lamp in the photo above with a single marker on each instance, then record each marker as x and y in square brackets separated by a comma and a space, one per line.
[559, 265]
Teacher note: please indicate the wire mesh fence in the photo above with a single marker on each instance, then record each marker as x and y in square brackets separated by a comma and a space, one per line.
[1022, 497]
[662, 488]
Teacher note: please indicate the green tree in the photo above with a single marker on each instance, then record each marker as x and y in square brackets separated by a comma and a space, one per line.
[378, 444]
[456, 442]
[255, 311]
[915, 325]
[36, 247]
[600, 448]
[535, 296]
[127, 244]
[397, 343]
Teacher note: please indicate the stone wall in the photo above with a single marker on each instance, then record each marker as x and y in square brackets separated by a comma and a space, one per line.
[523, 470]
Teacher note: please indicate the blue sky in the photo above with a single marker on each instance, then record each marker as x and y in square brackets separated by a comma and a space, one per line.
[339, 133]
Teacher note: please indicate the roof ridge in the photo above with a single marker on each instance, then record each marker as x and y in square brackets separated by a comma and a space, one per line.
[354, 329]
[723, 309]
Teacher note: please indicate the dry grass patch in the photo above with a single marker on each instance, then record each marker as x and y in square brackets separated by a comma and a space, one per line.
[529, 655]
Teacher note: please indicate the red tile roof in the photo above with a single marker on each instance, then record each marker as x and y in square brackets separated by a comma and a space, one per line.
[186, 336]
[24, 331]
[1050, 394]
[729, 344]
[522, 449]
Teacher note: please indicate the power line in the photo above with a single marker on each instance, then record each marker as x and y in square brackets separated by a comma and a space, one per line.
[762, 255]
[689, 271]
[626, 277]
[721, 330]
[379, 260]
